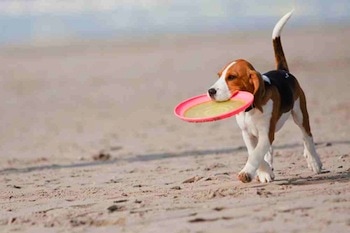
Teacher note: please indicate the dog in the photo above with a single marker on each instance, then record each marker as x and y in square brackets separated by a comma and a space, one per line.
[277, 95]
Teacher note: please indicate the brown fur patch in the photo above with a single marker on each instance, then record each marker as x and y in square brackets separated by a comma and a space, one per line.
[259, 89]
[281, 61]
[246, 78]
[276, 114]
[306, 122]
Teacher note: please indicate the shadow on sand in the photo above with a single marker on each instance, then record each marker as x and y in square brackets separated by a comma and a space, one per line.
[155, 156]
[325, 176]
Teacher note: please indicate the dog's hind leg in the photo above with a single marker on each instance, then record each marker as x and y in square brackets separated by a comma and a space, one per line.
[301, 118]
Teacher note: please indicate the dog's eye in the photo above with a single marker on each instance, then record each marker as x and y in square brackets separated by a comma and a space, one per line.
[231, 77]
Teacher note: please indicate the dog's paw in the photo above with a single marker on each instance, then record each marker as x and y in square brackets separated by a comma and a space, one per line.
[244, 177]
[314, 163]
[264, 176]
[315, 166]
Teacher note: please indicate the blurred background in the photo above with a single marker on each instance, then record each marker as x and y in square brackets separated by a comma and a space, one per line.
[82, 76]
[87, 92]
[58, 20]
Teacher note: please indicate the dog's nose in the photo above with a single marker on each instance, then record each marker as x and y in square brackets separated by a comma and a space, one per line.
[212, 92]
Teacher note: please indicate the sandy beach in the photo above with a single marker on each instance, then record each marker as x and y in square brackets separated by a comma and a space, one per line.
[89, 142]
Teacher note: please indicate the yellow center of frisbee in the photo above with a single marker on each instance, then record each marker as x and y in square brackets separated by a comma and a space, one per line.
[212, 108]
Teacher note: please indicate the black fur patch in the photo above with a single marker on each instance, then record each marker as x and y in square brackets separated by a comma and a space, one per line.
[285, 83]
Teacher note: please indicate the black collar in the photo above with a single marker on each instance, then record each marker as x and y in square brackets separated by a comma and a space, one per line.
[249, 108]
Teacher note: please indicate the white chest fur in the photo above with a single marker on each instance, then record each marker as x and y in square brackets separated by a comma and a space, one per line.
[255, 121]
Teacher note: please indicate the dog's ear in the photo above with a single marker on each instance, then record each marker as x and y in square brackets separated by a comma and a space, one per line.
[259, 89]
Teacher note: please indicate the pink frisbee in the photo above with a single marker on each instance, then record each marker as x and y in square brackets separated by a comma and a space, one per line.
[202, 109]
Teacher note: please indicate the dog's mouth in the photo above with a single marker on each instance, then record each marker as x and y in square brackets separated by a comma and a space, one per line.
[220, 96]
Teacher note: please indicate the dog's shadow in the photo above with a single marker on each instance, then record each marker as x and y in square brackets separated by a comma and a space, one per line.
[168, 155]
[323, 177]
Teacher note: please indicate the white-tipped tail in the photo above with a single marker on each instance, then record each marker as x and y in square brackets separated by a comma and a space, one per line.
[280, 24]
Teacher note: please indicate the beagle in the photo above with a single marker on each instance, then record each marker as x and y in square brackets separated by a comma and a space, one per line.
[277, 95]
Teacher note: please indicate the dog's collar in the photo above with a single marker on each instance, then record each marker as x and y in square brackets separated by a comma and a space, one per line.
[249, 108]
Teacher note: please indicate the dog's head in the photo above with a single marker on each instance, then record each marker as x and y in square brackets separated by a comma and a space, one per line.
[239, 75]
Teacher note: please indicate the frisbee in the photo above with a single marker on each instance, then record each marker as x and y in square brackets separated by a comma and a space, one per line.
[202, 108]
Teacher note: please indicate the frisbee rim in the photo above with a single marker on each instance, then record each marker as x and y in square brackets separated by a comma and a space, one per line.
[182, 107]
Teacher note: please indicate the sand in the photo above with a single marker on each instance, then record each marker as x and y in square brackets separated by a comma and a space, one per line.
[89, 142]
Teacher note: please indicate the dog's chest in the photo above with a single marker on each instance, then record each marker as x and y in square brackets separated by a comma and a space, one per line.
[254, 121]
[246, 123]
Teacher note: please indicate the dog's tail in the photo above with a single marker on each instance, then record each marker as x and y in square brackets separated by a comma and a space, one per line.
[281, 61]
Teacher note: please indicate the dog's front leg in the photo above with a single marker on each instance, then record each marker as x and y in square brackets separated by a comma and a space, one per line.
[250, 141]
[255, 158]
